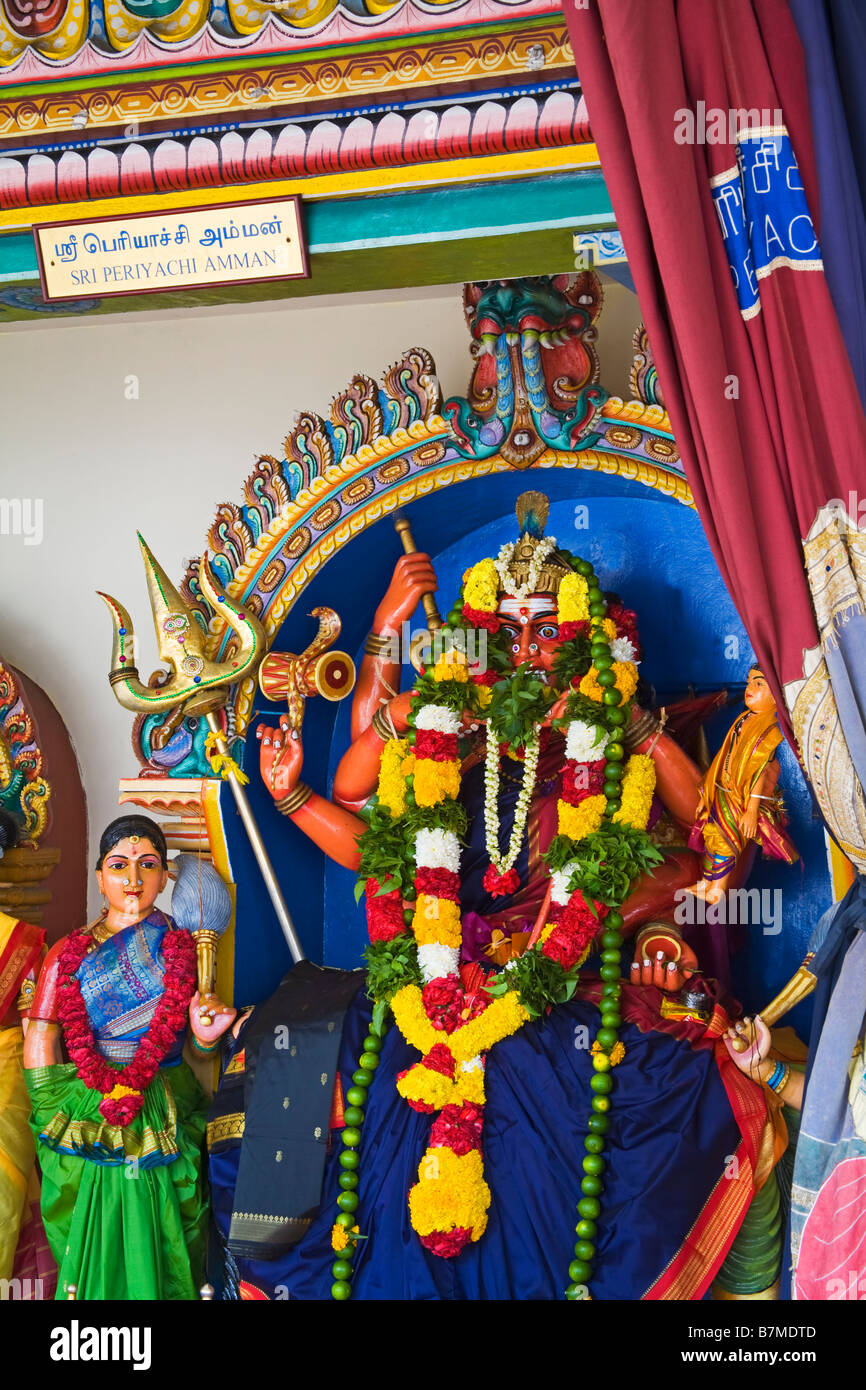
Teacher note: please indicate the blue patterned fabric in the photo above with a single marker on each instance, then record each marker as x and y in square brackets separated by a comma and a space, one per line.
[827, 1137]
[672, 1134]
[121, 985]
[833, 33]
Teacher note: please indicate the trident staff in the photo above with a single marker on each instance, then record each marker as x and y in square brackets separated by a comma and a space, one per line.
[198, 686]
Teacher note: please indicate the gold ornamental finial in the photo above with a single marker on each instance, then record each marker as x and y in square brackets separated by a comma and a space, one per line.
[194, 680]
[533, 509]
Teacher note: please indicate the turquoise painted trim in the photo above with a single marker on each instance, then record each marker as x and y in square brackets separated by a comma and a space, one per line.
[18, 257]
[503, 208]
[423, 215]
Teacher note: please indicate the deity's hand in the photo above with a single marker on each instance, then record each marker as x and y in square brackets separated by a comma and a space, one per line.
[758, 1042]
[218, 1015]
[281, 756]
[749, 821]
[662, 971]
[413, 576]
[557, 709]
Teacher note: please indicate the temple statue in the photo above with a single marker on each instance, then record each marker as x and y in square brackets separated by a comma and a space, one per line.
[112, 1097]
[21, 949]
[513, 821]
[739, 805]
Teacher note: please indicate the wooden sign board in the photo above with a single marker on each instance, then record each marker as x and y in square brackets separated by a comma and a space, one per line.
[156, 252]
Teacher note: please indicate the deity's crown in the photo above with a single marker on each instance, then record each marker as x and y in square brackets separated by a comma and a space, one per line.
[534, 555]
[530, 565]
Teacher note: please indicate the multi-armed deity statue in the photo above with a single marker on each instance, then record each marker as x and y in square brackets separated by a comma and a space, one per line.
[506, 814]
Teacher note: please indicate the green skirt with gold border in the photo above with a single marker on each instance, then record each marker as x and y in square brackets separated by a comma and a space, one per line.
[124, 1209]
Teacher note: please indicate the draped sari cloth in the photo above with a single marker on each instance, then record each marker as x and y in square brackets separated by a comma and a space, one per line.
[690, 1138]
[828, 1204]
[20, 949]
[689, 1142]
[124, 1208]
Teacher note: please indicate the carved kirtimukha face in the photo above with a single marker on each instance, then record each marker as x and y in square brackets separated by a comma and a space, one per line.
[132, 877]
[530, 628]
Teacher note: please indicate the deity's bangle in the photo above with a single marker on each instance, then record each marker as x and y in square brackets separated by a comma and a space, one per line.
[377, 644]
[779, 1078]
[200, 1047]
[384, 724]
[639, 731]
[296, 798]
[26, 996]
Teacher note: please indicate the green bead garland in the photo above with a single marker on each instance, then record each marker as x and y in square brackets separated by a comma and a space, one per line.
[601, 1083]
[349, 1160]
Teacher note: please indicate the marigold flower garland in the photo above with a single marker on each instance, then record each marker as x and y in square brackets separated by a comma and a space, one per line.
[123, 1087]
[453, 1029]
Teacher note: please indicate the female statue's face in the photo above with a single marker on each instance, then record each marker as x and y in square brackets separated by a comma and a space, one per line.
[531, 630]
[132, 877]
[758, 696]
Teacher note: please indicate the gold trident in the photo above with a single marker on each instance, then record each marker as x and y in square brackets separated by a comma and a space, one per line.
[196, 682]
[196, 685]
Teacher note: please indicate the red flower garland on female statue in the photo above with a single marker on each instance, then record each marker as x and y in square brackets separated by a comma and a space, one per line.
[169, 1018]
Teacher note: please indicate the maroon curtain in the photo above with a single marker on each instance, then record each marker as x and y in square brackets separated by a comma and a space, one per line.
[715, 210]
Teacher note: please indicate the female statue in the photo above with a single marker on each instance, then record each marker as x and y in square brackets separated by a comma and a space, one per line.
[119, 1119]
[20, 953]
[505, 814]
[738, 802]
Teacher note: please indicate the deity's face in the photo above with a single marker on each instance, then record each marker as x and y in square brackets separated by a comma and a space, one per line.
[132, 878]
[531, 630]
[758, 696]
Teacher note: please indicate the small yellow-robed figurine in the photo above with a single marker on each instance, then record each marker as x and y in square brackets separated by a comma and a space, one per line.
[738, 801]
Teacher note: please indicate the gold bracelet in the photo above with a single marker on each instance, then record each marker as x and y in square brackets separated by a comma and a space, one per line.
[294, 800]
[377, 645]
[642, 729]
[26, 996]
[384, 724]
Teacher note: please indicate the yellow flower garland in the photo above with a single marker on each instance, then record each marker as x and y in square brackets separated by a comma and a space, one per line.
[392, 779]
[573, 599]
[481, 590]
[340, 1237]
[437, 921]
[435, 781]
[411, 1018]
[625, 673]
[579, 821]
[450, 1192]
[451, 666]
[638, 786]
[429, 1087]
[502, 1018]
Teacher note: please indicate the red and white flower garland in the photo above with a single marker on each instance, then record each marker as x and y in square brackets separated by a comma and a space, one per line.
[451, 1028]
[123, 1088]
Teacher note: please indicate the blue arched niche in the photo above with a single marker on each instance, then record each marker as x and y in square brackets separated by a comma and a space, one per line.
[651, 550]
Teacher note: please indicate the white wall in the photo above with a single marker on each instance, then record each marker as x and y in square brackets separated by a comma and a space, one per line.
[215, 389]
